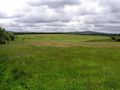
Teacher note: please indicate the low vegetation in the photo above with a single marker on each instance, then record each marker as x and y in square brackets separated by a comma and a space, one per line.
[5, 36]
[60, 62]
[116, 38]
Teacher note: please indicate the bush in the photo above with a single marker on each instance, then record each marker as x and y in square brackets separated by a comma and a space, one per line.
[118, 40]
[115, 38]
[3, 41]
[12, 36]
[6, 36]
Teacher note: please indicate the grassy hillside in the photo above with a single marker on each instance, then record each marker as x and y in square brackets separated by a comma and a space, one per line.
[60, 62]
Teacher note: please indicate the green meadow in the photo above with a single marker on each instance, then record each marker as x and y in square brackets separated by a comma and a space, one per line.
[60, 62]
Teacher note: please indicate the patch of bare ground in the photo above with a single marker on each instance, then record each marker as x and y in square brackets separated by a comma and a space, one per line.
[81, 44]
[55, 44]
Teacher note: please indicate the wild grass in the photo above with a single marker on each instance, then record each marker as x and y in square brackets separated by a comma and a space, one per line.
[75, 63]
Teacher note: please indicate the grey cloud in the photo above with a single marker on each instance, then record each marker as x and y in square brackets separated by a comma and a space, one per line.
[66, 15]
[3, 15]
[43, 15]
[42, 20]
[112, 5]
[56, 24]
[93, 19]
[54, 3]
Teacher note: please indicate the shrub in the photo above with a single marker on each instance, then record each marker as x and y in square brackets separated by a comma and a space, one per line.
[12, 36]
[3, 41]
[6, 36]
[116, 38]
[113, 38]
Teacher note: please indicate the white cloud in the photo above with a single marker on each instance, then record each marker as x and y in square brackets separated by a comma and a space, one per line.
[60, 15]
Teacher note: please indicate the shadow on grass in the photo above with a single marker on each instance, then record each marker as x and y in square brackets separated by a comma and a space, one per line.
[18, 74]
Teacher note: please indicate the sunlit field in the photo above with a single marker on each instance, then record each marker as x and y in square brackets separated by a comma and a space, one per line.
[60, 62]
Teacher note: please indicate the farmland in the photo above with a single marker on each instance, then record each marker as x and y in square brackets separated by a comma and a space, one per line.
[60, 62]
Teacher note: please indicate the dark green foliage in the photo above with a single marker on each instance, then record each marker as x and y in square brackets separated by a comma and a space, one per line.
[6, 36]
[18, 74]
[2, 41]
[118, 40]
[115, 38]
[12, 36]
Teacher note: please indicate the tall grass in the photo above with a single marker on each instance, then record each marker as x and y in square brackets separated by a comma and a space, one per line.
[26, 66]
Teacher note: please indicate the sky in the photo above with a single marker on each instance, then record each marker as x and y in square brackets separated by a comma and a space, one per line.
[60, 15]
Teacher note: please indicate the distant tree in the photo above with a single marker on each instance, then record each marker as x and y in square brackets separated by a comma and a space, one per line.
[6, 36]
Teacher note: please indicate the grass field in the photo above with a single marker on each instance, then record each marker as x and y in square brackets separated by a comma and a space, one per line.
[60, 62]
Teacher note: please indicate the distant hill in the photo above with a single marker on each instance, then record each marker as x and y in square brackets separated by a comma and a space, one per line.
[89, 33]
[77, 33]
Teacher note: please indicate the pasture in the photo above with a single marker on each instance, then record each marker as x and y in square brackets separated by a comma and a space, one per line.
[60, 62]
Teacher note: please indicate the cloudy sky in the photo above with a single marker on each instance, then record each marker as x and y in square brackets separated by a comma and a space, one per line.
[60, 15]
